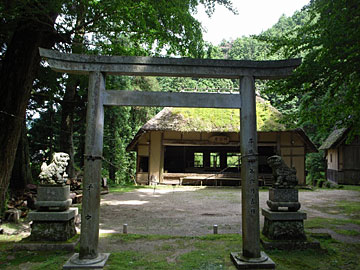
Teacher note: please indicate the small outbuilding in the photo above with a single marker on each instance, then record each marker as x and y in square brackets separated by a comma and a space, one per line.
[343, 157]
[202, 146]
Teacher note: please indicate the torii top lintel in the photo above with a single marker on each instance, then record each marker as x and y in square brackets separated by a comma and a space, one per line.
[172, 67]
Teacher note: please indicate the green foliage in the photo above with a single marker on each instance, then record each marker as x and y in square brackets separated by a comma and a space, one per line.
[110, 28]
[327, 82]
[315, 166]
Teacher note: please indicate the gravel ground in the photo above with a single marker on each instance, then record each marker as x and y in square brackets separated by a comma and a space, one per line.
[192, 211]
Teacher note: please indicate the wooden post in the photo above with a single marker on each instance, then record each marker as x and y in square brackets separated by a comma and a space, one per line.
[251, 256]
[249, 170]
[92, 172]
[88, 257]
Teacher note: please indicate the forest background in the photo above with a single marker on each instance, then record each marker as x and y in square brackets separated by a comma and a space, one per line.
[42, 112]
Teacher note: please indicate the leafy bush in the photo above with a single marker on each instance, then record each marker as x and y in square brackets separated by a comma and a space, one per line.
[315, 167]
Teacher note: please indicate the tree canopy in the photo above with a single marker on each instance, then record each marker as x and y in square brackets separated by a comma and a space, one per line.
[323, 93]
[108, 27]
[327, 84]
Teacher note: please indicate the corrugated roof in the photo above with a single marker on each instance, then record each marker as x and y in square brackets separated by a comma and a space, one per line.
[213, 120]
[333, 138]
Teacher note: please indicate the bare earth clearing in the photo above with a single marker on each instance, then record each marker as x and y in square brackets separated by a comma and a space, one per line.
[192, 211]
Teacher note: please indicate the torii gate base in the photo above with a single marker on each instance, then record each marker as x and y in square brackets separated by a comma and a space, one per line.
[75, 263]
[98, 66]
[264, 262]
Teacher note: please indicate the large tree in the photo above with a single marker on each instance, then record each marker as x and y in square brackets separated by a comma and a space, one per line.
[327, 83]
[33, 27]
[28, 25]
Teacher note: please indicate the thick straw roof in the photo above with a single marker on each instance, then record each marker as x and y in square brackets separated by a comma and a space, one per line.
[213, 120]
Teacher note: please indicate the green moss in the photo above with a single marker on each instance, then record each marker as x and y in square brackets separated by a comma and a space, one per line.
[209, 252]
[35, 260]
[331, 223]
[347, 232]
[350, 208]
[225, 120]
[350, 187]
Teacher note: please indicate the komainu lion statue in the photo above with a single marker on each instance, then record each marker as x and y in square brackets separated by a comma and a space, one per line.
[283, 176]
[54, 173]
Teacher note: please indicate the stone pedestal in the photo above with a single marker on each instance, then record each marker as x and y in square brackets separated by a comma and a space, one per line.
[53, 226]
[283, 198]
[264, 262]
[53, 220]
[53, 198]
[97, 263]
[284, 225]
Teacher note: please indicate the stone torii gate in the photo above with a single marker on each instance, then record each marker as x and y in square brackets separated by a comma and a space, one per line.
[98, 66]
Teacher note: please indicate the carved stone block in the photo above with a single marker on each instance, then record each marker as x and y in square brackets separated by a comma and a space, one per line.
[286, 197]
[284, 225]
[52, 230]
[283, 195]
[53, 197]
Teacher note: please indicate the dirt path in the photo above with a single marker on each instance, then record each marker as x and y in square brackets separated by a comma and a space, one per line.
[193, 211]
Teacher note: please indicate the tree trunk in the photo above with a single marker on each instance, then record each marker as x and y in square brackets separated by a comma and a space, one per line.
[70, 98]
[67, 123]
[16, 79]
[21, 172]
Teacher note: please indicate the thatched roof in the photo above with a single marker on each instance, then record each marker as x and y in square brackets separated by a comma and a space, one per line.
[334, 138]
[213, 120]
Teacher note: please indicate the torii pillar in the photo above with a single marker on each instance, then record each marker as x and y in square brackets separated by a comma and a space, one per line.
[251, 256]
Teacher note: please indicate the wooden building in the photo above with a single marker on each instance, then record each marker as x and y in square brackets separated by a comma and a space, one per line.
[202, 146]
[343, 157]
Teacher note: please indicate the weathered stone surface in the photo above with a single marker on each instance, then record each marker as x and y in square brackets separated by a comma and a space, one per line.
[252, 264]
[13, 215]
[284, 229]
[54, 173]
[52, 230]
[283, 195]
[174, 67]
[172, 99]
[53, 192]
[53, 205]
[98, 263]
[283, 176]
[53, 197]
[291, 206]
[53, 216]
[271, 215]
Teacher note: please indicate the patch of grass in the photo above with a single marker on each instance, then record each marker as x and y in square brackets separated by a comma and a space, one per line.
[331, 223]
[347, 232]
[126, 188]
[350, 208]
[350, 187]
[209, 252]
[35, 259]
[336, 256]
